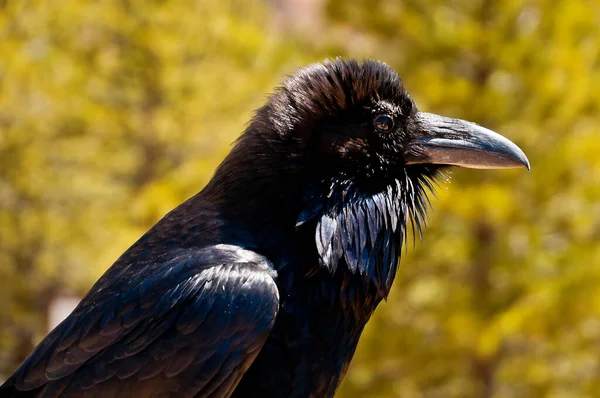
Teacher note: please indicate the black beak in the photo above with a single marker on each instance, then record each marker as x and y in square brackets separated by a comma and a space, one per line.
[443, 140]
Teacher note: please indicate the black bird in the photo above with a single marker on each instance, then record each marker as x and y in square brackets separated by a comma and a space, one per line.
[261, 284]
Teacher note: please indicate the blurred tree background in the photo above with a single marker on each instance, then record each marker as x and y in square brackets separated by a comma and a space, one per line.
[113, 112]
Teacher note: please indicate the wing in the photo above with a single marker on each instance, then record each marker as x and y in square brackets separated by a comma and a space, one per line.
[189, 326]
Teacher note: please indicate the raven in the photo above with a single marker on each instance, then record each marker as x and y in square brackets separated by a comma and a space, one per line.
[261, 284]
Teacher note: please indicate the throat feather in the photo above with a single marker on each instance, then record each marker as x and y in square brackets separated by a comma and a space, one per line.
[364, 232]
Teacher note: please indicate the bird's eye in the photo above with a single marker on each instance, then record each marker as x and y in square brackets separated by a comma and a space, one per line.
[384, 123]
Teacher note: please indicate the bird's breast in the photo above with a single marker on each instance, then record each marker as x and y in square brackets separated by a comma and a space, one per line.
[316, 332]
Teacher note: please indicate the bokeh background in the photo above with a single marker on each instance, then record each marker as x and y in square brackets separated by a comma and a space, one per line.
[113, 112]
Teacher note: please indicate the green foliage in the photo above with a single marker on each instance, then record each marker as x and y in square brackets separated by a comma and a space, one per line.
[113, 112]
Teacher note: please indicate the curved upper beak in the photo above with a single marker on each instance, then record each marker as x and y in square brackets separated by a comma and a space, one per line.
[456, 142]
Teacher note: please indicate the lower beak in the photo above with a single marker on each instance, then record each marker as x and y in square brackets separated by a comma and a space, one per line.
[443, 140]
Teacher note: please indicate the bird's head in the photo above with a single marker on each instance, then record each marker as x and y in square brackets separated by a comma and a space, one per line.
[357, 119]
[350, 135]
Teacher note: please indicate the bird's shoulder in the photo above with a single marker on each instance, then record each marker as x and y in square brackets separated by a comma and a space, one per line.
[149, 320]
